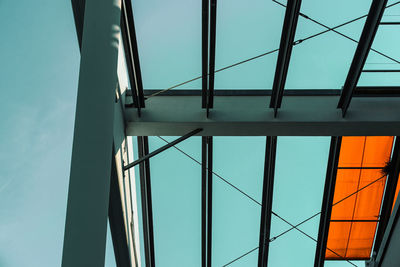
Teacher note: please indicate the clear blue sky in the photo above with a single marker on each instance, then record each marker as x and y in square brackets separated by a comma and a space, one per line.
[39, 63]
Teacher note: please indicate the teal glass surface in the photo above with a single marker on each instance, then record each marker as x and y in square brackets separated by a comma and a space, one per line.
[246, 30]
[300, 173]
[176, 196]
[169, 42]
[386, 39]
[236, 218]
[322, 62]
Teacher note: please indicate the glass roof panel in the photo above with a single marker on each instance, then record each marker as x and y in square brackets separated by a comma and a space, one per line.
[169, 41]
[176, 212]
[236, 218]
[298, 191]
[385, 41]
[322, 62]
[244, 31]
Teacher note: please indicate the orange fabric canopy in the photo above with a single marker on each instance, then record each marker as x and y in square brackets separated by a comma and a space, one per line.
[358, 196]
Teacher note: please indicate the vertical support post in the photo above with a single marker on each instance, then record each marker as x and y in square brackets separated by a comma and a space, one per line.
[89, 186]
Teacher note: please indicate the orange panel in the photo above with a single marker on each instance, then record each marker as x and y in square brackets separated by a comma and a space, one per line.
[369, 199]
[337, 241]
[354, 239]
[351, 151]
[361, 239]
[377, 151]
[346, 184]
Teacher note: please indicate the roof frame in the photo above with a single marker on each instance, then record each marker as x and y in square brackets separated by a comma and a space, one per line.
[326, 209]
[204, 53]
[267, 197]
[360, 56]
[147, 209]
[206, 199]
[361, 91]
[131, 54]
[161, 149]
[209, 22]
[389, 196]
[285, 50]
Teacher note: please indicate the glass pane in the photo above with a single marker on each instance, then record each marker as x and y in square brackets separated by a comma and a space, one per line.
[385, 42]
[236, 218]
[323, 61]
[169, 41]
[243, 31]
[298, 191]
[176, 193]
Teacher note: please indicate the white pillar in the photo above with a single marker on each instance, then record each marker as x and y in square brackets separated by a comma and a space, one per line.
[88, 196]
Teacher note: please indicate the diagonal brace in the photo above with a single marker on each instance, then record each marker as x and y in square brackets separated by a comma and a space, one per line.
[161, 149]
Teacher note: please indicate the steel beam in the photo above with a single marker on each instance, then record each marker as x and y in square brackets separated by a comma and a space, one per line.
[247, 116]
[388, 254]
[206, 200]
[285, 51]
[89, 185]
[326, 208]
[128, 55]
[132, 54]
[390, 191]
[204, 52]
[78, 8]
[147, 207]
[362, 91]
[213, 32]
[267, 196]
[209, 28]
[364, 45]
[390, 23]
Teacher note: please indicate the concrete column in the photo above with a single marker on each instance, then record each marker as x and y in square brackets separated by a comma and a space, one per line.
[88, 196]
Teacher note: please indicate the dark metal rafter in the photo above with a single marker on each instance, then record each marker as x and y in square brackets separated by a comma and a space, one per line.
[147, 210]
[266, 208]
[209, 21]
[390, 192]
[131, 53]
[364, 45]
[204, 53]
[326, 208]
[206, 200]
[213, 31]
[285, 50]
